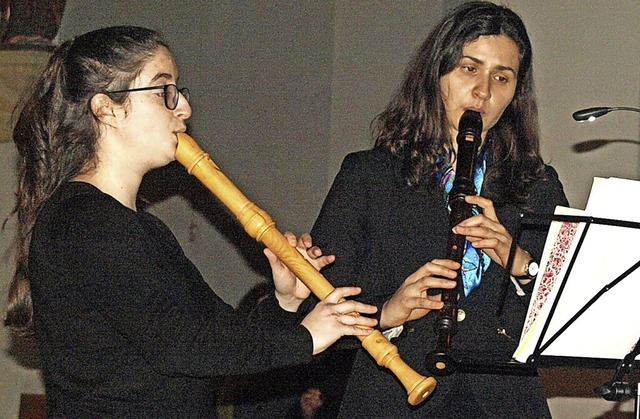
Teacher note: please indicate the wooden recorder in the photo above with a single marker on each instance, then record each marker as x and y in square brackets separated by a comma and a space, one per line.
[259, 225]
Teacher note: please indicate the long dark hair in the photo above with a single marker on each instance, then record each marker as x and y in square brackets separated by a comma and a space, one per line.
[56, 133]
[413, 126]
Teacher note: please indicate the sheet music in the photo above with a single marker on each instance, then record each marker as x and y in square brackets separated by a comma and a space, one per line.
[610, 327]
[559, 247]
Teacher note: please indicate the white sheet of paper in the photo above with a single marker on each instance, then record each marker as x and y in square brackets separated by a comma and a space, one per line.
[614, 198]
[610, 327]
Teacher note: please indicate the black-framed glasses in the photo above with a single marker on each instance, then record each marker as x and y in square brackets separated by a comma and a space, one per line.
[170, 92]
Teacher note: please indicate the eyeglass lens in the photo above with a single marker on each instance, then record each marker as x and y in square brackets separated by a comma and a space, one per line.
[172, 95]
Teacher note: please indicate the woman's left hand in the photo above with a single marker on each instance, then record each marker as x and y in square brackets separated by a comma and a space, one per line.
[485, 232]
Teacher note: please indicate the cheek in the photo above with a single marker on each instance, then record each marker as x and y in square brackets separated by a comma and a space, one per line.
[447, 89]
[450, 100]
[455, 93]
[446, 95]
[503, 100]
[495, 118]
[507, 95]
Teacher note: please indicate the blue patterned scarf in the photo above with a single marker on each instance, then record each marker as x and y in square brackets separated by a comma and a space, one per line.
[474, 262]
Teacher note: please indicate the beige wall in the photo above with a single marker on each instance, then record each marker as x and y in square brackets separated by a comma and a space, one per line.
[586, 54]
[373, 42]
[283, 89]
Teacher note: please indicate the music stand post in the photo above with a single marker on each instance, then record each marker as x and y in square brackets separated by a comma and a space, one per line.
[616, 389]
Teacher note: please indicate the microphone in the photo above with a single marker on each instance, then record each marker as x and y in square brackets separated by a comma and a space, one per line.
[590, 114]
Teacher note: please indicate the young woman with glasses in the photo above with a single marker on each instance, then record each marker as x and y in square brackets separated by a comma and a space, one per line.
[125, 324]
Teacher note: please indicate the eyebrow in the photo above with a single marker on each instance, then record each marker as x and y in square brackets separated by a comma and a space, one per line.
[162, 76]
[499, 68]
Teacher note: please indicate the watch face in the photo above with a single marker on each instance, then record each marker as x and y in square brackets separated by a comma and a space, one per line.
[533, 268]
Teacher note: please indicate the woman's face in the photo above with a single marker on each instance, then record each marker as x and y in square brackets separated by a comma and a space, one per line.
[148, 131]
[484, 80]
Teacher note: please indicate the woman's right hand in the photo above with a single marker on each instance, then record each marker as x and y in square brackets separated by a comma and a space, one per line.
[335, 317]
[412, 301]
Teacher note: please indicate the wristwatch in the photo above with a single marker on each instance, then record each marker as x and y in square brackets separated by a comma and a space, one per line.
[530, 270]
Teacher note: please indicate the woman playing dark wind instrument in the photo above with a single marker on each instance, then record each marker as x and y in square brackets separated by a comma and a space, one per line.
[125, 324]
[386, 219]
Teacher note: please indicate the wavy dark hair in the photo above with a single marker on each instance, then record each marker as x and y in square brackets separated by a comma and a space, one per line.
[413, 126]
[56, 132]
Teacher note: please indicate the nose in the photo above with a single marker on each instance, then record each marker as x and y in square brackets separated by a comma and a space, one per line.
[482, 89]
[183, 110]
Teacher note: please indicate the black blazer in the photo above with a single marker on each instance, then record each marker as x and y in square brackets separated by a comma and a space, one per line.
[381, 231]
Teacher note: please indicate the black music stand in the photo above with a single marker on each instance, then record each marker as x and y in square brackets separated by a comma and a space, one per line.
[616, 389]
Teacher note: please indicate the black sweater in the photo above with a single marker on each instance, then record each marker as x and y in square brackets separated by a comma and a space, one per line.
[126, 325]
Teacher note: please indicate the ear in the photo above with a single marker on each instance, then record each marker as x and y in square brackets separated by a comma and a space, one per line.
[103, 108]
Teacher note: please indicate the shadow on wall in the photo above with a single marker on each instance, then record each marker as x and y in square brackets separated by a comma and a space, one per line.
[173, 180]
[589, 145]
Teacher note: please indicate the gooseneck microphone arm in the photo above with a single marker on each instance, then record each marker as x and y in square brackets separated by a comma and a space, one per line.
[590, 114]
